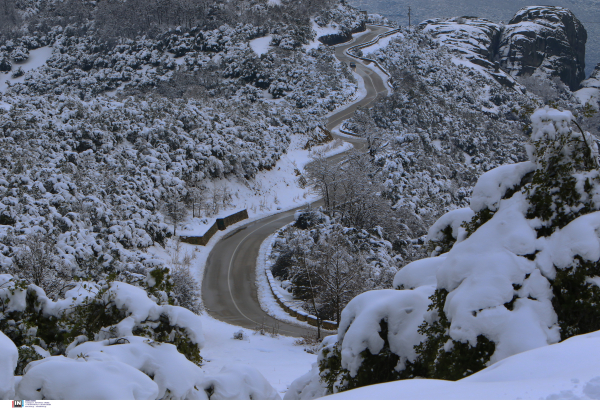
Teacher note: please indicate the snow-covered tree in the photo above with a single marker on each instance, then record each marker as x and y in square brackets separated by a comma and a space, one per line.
[516, 271]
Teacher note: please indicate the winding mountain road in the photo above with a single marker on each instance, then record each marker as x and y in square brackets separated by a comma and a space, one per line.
[229, 288]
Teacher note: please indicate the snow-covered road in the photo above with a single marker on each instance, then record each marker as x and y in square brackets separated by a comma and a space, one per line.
[229, 290]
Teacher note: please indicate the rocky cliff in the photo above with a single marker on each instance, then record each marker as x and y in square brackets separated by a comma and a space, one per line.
[475, 39]
[546, 38]
[543, 39]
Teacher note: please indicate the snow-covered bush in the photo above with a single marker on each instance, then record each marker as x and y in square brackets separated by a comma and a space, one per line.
[8, 363]
[563, 371]
[238, 382]
[521, 273]
[93, 311]
[61, 378]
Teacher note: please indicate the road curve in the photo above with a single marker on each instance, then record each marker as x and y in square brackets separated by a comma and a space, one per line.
[229, 288]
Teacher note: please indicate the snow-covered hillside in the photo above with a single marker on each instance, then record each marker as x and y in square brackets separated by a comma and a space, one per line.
[115, 142]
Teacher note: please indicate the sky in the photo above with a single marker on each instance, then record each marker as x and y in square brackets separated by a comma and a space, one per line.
[588, 12]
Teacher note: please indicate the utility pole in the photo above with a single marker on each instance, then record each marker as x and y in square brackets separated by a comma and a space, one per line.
[409, 16]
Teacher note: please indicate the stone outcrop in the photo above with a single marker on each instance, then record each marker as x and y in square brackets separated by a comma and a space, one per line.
[476, 39]
[546, 38]
[539, 39]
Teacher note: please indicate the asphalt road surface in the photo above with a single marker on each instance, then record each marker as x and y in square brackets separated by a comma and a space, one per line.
[229, 288]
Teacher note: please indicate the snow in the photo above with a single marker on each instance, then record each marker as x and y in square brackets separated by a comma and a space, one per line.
[588, 95]
[9, 355]
[261, 45]
[62, 378]
[568, 370]
[492, 185]
[239, 382]
[278, 359]
[419, 273]
[454, 219]
[579, 237]
[37, 58]
[480, 272]
[359, 325]
[139, 308]
[169, 369]
[176, 377]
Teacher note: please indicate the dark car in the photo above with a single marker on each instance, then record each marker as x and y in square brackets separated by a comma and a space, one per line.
[352, 65]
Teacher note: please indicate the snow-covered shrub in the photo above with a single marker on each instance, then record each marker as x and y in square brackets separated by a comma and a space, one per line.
[19, 54]
[5, 63]
[8, 363]
[376, 341]
[238, 382]
[61, 378]
[444, 233]
[175, 375]
[522, 273]
[90, 311]
[517, 296]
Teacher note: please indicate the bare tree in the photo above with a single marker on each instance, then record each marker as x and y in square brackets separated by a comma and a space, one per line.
[185, 288]
[176, 210]
[328, 273]
[197, 196]
[352, 189]
[37, 262]
[322, 176]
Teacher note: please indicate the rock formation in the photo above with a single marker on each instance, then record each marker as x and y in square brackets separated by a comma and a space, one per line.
[544, 39]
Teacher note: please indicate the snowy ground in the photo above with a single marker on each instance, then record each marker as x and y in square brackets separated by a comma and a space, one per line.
[37, 58]
[261, 45]
[277, 359]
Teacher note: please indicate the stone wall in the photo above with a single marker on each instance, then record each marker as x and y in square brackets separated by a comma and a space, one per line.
[220, 224]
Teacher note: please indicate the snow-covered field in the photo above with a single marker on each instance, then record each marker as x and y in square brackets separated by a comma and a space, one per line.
[277, 359]
[37, 58]
[261, 45]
